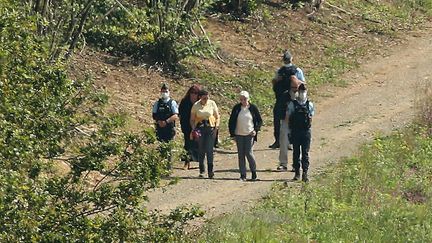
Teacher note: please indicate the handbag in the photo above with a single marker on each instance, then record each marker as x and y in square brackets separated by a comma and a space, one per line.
[196, 134]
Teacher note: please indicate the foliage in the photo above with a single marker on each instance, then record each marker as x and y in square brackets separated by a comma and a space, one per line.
[384, 195]
[68, 170]
[423, 5]
[159, 32]
[239, 8]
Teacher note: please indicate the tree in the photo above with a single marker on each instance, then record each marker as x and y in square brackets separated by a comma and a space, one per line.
[68, 170]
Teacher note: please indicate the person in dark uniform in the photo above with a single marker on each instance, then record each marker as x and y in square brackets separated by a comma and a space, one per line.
[165, 113]
[300, 112]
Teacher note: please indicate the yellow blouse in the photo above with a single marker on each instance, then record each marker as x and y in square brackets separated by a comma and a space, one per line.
[209, 112]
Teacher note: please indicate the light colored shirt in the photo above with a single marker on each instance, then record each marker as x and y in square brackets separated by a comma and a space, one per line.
[174, 106]
[202, 112]
[299, 73]
[244, 122]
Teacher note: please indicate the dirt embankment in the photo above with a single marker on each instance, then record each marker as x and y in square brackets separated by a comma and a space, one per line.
[380, 99]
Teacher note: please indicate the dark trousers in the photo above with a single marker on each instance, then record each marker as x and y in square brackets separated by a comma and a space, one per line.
[205, 149]
[165, 134]
[301, 140]
[191, 147]
[277, 117]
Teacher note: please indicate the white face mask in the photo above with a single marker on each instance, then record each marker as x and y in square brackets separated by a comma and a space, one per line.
[165, 95]
[293, 94]
[302, 96]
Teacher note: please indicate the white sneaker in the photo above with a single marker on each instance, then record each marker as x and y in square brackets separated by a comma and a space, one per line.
[282, 168]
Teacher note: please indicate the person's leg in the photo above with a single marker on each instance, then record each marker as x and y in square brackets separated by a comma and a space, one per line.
[249, 142]
[209, 151]
[296, 154]
[276, 126]
[240, 140]
[194, 150]
[201, 152]
[216, 139]
[306, 141]
[283, 150]
[187, 145]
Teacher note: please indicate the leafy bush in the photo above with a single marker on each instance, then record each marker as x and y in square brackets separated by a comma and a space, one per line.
[160, 32]
[384, 195]
[236, 7]
[68, 170]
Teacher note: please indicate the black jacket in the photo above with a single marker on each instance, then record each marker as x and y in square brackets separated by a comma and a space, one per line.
[256, 118]
[185, 114]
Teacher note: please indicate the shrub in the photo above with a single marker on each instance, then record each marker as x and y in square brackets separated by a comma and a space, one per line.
[68, 170]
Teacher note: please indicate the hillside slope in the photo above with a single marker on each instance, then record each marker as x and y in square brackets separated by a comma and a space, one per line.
[336, 47]
[381, 100]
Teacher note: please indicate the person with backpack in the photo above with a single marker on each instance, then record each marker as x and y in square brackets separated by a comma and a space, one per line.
[300, 112]
[244, 123]
[165, 113]
[190, 145]
[205, 120]
[285, 77]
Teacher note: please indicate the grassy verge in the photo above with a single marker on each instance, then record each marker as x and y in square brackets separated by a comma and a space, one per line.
[382, 195]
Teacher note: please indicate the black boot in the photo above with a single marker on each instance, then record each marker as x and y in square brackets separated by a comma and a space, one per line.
[254, 175]
[305, 176]
[297, 175]
[275, 145]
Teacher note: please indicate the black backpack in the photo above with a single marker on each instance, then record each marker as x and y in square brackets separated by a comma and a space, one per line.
[300, 119]
[164, 110]
[282, 87]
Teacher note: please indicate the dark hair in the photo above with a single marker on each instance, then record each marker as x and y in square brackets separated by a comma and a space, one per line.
[202, 92]
[194, 88]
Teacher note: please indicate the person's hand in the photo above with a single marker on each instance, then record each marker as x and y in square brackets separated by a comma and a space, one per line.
[253, 133]
[162, 123]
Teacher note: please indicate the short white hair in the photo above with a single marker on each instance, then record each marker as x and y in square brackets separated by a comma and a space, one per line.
[244, 94]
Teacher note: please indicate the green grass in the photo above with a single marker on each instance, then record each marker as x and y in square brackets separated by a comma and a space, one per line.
[384, 195]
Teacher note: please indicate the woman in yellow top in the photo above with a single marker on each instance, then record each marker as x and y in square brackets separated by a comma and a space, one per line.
[205, 122]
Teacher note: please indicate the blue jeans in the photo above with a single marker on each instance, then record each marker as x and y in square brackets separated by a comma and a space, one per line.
[244, 150]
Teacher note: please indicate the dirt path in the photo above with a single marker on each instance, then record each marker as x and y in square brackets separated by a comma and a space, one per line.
[380, 99]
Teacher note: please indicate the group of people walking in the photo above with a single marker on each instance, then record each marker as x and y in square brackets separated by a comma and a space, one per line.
[200, 120]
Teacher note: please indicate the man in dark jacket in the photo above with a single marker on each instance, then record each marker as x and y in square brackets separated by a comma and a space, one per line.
[285, 77]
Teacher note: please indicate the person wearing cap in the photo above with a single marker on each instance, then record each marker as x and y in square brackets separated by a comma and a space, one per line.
[205, 121]
[190, 145]
[244, 123]
[165, 113]
[285, 84]
[300, 112]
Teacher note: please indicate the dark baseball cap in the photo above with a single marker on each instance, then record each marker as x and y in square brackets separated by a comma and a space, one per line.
[287, 55]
